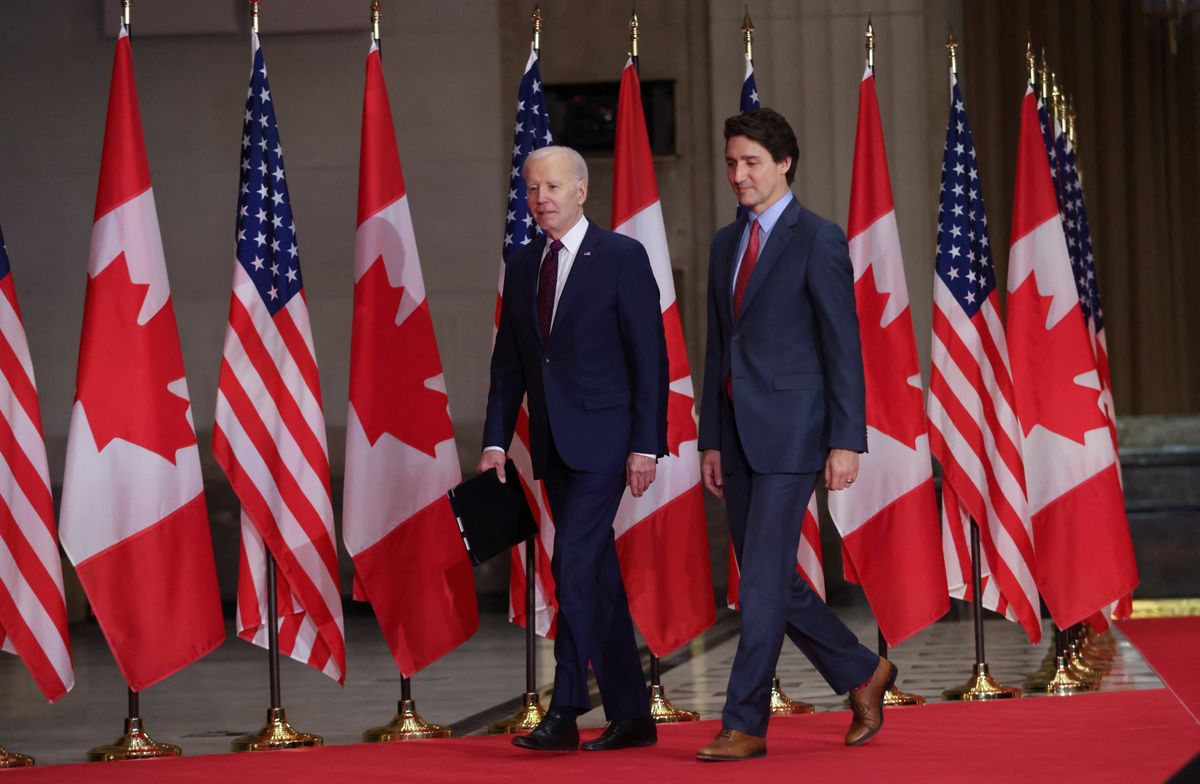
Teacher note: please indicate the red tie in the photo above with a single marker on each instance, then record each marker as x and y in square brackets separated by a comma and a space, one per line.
[749, 258]
[547, 285]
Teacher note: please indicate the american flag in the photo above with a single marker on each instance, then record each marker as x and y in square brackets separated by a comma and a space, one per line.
[974, 428]
[532, 130]
[33, 613]
[808, 554]
[269, 435]
[749, 89]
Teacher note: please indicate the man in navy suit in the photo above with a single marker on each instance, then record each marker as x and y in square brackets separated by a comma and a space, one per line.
[784, 403]
[581, 334]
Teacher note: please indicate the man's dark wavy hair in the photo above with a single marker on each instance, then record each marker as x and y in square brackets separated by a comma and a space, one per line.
[771, 130]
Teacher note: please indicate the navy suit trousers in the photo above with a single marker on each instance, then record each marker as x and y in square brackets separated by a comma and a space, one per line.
[765, 514]
[594, 624]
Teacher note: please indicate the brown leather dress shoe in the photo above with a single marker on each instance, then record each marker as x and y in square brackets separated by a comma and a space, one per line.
[733, 746]
[867, 704]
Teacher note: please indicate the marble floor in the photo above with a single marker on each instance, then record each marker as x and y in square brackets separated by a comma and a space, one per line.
[226, 694]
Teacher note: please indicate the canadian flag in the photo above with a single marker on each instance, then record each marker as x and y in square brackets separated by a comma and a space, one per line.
[409, 560]
[1085, 556]
[888, 518]
[662, 538]
[808, 558]
[133, 518]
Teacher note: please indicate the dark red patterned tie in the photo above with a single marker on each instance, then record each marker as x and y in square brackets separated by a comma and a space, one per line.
[547, 285]
[749, 259]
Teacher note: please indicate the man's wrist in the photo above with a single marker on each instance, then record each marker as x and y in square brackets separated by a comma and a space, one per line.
[494, 449]
[644, 454]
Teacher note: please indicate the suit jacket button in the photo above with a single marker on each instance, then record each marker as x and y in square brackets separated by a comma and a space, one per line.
[547, 360]
[736, 337]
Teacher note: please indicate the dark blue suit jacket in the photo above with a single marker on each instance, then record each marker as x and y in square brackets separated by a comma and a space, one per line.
[600, 382]
[794, 352]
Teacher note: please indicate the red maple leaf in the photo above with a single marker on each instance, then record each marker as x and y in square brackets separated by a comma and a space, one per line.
[1045, 364]
[681, 421]
[390, 365]
[125, 367]
[894, 406]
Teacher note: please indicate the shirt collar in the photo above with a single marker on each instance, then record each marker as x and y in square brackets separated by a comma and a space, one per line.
[771, 214]
[573, 238]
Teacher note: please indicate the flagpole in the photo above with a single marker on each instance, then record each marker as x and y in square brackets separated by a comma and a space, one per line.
[277, 733]
[531, 712]
[407, 724]
[981, 685]
[134, 743]
[661, 708]
[893, 697]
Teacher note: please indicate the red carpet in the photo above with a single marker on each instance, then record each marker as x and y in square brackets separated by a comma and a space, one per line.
[1169, 646]
[1132, 736]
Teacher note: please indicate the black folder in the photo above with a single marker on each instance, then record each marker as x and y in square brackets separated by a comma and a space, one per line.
[492, 515]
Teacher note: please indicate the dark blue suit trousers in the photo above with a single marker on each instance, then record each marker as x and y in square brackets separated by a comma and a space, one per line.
[765, 513]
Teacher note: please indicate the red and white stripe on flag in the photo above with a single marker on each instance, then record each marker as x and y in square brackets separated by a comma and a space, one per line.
[269, 434]
[808, 558]
[888, 517]
[662, 537]
[133, 518]
[33, 612]
[1081, 535]
[409, 559]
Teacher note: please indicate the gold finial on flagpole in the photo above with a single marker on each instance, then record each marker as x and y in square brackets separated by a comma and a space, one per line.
[125, 4]
[748, 33]
[375, 20]
[254, 15]
[870, 42]
[952, 50]
[1056, 100]
[1044, 74]
[536, 18]
[1030, 60]
[633, 34]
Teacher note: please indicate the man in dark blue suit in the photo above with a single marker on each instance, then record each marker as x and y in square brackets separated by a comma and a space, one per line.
[581, 334]
[783, 403]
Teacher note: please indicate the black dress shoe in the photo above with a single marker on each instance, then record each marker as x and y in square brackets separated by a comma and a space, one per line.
[555, 732]
[624, 734]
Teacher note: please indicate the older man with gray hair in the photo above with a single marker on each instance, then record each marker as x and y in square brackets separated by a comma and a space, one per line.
[581, 334]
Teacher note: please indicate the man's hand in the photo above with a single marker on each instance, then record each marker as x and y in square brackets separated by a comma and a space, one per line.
[493, 458]
[639, 473]
[710, 470]
[841, 469]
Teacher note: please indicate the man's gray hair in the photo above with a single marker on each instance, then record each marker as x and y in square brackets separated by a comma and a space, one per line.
[578, 164]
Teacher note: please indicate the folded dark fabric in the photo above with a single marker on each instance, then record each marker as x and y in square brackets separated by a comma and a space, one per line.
[492, 515]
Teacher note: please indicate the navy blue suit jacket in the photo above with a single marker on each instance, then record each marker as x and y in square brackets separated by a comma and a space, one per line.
[599, 383]
[794, 352]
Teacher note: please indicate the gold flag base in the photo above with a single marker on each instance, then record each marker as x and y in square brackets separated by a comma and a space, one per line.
[783, 705]
[408, 725]
[894, 698]
[663, 712]
[276, 735]
[524, 720]
[134, 744]
[10, 759]
[1065, 681]
[981, 686]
